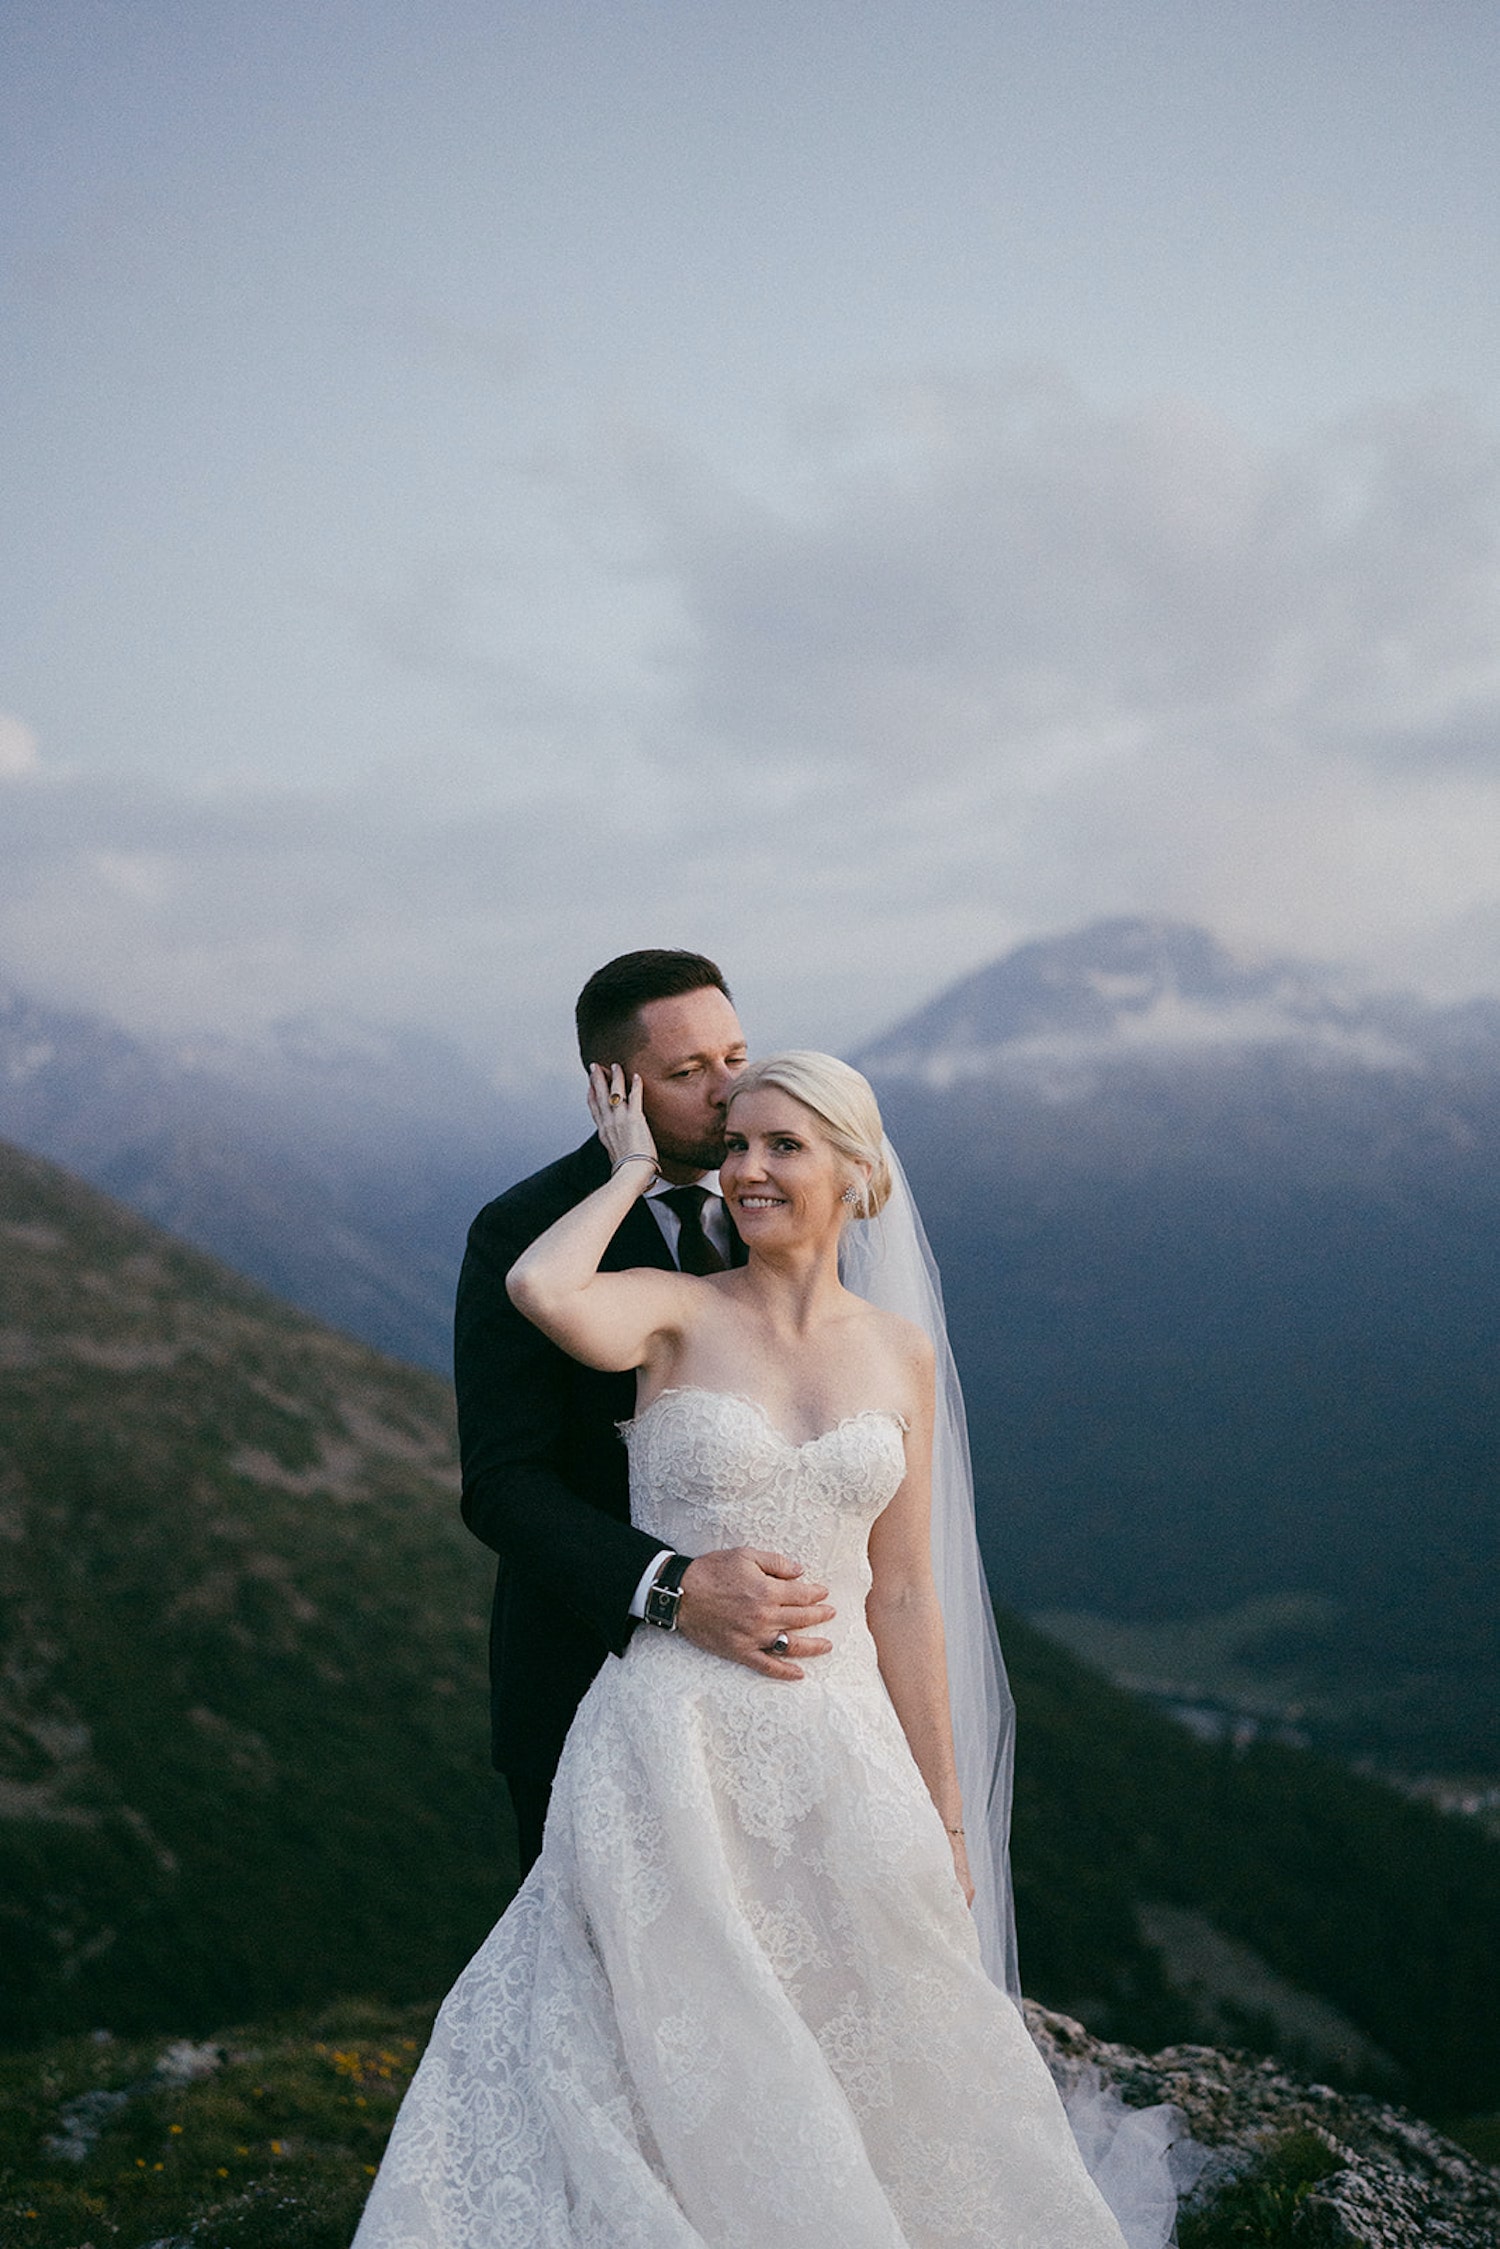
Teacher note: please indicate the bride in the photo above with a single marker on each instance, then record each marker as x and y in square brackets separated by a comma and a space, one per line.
[741, 1997]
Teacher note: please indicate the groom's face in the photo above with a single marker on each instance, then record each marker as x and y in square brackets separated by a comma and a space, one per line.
[688, 1050]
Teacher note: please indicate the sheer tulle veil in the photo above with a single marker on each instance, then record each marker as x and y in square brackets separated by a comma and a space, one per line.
[887, 1261]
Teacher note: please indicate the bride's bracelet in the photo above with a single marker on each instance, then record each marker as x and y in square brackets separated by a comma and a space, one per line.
[637, 1156]
[954, 1830]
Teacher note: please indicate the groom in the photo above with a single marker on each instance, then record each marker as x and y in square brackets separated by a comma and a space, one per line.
[544, 1468]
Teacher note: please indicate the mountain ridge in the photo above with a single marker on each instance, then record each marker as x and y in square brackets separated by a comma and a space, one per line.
[339, 1165]
[1224, 1304]
[1132, 986]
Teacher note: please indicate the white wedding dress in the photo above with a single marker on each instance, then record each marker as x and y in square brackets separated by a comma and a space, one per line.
[739, 1998]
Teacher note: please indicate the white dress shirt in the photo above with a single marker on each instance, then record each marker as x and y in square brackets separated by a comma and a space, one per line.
[715, 1216]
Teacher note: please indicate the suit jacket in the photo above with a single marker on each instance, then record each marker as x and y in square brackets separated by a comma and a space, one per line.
[545, 1473]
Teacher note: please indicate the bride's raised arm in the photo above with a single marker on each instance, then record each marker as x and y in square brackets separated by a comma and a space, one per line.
[906, 1623]
[608, 1320]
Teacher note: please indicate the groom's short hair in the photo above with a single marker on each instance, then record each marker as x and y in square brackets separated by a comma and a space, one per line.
[615, 994]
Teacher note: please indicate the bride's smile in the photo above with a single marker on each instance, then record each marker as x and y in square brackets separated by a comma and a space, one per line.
[779, 1175]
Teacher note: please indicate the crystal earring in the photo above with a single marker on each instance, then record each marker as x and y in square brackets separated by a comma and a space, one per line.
[850, 1195]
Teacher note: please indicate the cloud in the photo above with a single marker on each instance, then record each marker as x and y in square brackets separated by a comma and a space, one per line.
[980, 660]
[1008, 574]
[19, 751]
[176, 910]
[1086, 662]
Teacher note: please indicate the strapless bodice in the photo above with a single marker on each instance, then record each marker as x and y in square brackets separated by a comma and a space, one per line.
[709, 1468]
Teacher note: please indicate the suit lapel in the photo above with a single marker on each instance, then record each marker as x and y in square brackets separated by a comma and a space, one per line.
[638, 1240]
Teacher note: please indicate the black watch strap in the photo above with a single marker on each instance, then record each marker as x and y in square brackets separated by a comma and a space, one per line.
[664, 1594]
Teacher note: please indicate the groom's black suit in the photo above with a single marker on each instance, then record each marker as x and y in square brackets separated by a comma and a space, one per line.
[545, 1478]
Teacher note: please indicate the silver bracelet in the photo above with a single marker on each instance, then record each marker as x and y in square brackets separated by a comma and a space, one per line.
[638, 1156]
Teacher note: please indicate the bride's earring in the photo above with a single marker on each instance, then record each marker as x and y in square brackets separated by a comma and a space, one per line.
[851, 1195]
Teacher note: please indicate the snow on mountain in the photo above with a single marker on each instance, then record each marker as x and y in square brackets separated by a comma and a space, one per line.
[337, 1164]
[1054, 1013]
[362, 1088]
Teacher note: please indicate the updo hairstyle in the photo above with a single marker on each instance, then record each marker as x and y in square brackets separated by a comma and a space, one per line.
[844, 1106]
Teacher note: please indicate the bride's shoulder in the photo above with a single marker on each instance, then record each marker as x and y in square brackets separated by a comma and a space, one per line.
[902, 1340]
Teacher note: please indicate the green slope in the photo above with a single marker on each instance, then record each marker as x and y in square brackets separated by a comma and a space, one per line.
[1381, 1906]
[242, 1750]
[242, 1713]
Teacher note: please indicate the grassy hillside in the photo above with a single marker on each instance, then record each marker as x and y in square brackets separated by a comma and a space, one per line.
[242, 1758]
[1342, 1888]
[242, 1753]
[266, 2138]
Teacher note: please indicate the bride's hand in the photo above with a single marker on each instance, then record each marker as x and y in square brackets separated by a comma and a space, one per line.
[617, 1111]
[961, 1865]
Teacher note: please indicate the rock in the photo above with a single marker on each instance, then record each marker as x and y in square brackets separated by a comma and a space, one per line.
[184, 2063]
[1396, 2183]
[79, 2123]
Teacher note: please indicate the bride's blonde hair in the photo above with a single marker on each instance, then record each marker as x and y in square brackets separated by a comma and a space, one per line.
[844, 1105]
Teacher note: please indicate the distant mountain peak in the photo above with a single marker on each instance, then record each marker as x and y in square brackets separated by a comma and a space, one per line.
[1132, 988]
[337, 1161]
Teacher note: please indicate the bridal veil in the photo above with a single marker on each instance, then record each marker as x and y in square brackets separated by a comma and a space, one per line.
[887, 1261]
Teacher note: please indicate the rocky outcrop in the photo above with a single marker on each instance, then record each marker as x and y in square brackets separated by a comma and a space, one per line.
[1392, 2182]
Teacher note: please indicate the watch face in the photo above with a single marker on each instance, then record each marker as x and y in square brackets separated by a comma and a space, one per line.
[661, 1607]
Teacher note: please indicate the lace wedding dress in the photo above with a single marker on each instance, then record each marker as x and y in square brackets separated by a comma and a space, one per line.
[739, 1998]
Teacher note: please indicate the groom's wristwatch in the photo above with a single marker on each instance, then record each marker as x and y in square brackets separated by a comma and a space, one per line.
[664, 1594]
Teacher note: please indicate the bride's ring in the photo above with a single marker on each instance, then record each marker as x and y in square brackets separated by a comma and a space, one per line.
[779, 1645]
[615, 1099]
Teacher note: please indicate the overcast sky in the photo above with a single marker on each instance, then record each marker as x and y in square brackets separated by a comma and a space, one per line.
[847, 484]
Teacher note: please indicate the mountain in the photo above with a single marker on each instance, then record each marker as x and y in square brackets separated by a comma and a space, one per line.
[1221, 1241]
[337, 1165]
[1159, 1047]
[242, 1723]
[1222, 1251]
[243, 1717]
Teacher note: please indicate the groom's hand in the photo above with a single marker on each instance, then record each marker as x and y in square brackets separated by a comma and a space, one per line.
[735, 1602]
